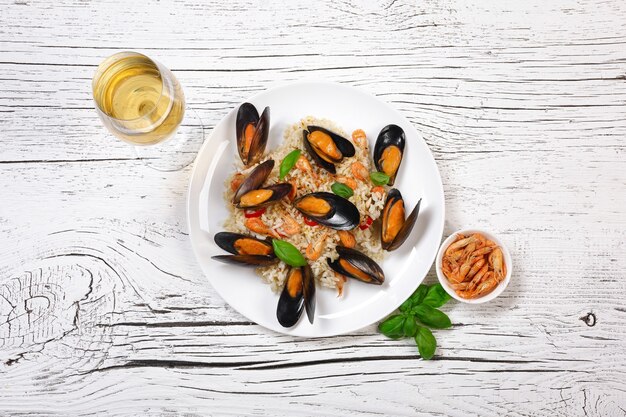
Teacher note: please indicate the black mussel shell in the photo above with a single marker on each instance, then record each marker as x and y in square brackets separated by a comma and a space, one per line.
[254, 180]
[228, 242]
[278, 192]
[390, 135]
[368, 270]
[330, 167]
[248, 114]
[298, 294]
[395, 197]
[346, 148]
[247, 260]
[344, 145]
[343, 215]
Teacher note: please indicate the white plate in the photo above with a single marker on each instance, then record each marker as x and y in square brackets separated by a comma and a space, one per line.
[362, 304]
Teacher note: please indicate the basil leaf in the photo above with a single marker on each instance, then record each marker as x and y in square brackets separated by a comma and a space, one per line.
[431, 316]
[406, 306]
[393, 326]
[436, 296]
[419, 294]
[288, 162]
[288, 253]
[410, 327]
[426, 342]
[342, 190]
[379, 178]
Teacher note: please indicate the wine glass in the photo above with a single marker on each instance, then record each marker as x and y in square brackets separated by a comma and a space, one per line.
[141, 102]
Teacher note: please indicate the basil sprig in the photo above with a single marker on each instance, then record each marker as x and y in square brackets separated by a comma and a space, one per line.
[416, 313]
[379, 178]
[288, 253]
[288, 162]
[342, 190]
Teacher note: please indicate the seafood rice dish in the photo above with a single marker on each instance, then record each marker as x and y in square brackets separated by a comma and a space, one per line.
[314, 212]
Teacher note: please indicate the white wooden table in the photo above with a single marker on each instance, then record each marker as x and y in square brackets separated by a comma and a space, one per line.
[103, 309]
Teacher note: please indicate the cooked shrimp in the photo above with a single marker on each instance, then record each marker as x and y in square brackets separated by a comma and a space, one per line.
[378, 190]
[496, 262]
[341, 280]
[236, 181]
[359, 137]
[315, 249]
[304, 165]
[464, 270]
[359, 171]
[350, 182]
[290, 226]
[476, 267]
[485, 287]
[257, 225]
[460, 244]
[482, 273]
[347, 238]
[482, 251]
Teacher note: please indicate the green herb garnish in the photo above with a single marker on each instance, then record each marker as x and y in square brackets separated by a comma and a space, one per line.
[288, 253]
[379, 178]
[288, 162]
[426, 342]
[417, 312]
[342, 190]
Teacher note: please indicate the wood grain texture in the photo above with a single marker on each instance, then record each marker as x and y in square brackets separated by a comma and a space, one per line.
[523, 104]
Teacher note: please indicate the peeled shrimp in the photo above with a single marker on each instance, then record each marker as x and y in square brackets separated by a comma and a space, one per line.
[359, 137]
[236, 181]
[315, 249]
[347, 238]
[290, 226]
[304, 165]
[359, 171]
[257, 225]
[350, 182]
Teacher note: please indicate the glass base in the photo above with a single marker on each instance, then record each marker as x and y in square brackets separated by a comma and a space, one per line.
[178, 151]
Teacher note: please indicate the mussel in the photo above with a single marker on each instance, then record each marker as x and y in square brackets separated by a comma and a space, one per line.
[329, 210]
[240, 244]
[251, 194]
[252, 133]
[247, 260]
[254, 180]
[264, 196]
[325, 147]
[389, 150]
[246, 250]
[298, 294]
[394, 227]
[355, 264]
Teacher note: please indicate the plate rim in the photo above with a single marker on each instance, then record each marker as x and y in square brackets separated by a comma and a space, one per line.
[287, 84]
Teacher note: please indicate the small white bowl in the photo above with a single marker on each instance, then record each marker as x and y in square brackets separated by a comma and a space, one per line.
[487, 297]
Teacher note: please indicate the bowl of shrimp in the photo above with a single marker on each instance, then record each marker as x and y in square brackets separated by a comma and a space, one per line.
[473, 266]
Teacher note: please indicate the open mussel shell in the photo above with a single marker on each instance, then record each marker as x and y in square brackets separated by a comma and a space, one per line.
[389, 150]
[252, 132]
[395, 229]
[357, 265]
[254, 180]
[247, 260]
[240, 244]
[325, 147]
[264, 196]
[298, 294]
[345, 146]
[329, 210]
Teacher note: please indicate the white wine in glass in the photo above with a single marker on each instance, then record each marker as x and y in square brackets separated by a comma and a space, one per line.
[141, 102]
